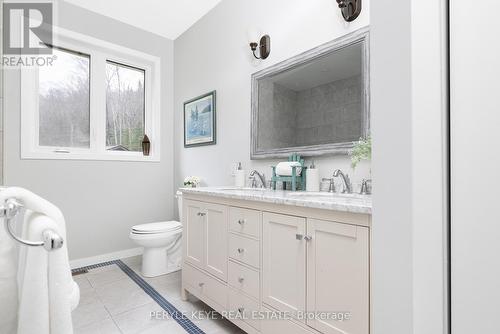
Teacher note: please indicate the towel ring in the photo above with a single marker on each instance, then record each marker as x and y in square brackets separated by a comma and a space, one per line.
[51, 240]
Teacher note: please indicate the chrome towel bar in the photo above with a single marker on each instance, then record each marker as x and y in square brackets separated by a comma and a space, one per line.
[51, 240]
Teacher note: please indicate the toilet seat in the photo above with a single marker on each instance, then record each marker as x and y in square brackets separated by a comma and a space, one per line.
[156, 228]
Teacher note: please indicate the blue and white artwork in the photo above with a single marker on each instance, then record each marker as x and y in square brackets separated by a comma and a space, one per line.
[199, 121]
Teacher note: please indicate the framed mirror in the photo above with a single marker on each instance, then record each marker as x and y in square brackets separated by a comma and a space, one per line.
[316, 103]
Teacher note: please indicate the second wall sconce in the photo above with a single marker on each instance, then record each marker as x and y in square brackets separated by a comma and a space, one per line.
[264, 47]
[350, 9]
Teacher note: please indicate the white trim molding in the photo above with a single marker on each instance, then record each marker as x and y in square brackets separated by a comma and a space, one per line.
[100, 52]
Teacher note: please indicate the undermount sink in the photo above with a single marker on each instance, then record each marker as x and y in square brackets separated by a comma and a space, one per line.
[240, 189]
[324, 195]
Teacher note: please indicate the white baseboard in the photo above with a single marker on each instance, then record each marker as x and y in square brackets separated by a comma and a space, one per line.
[78, 263]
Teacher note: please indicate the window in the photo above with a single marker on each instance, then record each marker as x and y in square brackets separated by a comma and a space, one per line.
[124, 107]
[96, 102]
[64, 101]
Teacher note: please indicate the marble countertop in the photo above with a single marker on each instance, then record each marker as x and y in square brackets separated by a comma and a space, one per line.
[354, 203]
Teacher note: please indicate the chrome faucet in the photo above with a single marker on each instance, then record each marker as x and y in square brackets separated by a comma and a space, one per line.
[345, 178]
[262, 179]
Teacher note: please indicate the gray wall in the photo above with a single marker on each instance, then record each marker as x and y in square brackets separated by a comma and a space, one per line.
[214, 54]
[100, 199]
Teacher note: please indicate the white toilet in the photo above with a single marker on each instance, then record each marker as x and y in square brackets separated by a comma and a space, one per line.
[162, 245]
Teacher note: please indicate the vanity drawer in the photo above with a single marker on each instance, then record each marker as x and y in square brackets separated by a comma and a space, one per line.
[192, 278]
[272, 325]
[205, 285]
[244, 249]
[245, 221]
[244, 279]
[244, 308]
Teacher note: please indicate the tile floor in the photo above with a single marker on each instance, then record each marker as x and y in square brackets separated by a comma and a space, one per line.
[111, 302]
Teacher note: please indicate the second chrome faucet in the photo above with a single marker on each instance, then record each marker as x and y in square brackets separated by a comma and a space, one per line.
[346, 182]
[347, 187]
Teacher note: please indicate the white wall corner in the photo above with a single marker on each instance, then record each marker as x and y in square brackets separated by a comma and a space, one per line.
[392, 168]
[429, 82]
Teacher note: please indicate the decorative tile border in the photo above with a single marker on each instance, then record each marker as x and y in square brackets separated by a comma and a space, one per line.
[177, 315]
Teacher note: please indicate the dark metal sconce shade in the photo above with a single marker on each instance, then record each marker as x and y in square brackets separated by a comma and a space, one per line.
[146, 145]
[350, 9]
[264, 47]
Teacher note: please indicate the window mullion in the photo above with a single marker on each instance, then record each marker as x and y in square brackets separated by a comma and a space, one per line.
[98, 103]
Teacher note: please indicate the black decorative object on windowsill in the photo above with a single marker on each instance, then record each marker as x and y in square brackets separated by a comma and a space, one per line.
[264, 46]
[146, 146]
[350, 9]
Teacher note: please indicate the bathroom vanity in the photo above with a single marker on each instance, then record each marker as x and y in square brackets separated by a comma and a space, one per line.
[254, 254]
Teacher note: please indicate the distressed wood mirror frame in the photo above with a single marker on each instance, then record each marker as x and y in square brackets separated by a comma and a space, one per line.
[361, 37]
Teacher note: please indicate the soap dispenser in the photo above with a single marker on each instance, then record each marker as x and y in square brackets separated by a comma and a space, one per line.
[312, 178]
[239, 176]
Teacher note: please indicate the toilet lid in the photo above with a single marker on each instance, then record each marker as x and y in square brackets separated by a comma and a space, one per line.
[156, 227]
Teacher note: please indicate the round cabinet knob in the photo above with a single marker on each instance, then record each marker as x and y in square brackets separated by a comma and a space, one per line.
[241, 221]
[241, 279]
[241, 250]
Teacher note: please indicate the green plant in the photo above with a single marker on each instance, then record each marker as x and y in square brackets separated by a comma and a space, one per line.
[192, 181]
[362, 150]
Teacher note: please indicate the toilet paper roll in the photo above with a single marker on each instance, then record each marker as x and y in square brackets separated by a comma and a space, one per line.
[285, 168]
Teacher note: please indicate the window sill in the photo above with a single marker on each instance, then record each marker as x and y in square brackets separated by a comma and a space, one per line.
[115, 156]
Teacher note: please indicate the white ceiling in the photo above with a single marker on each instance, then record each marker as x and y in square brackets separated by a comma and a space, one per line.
[168, 18]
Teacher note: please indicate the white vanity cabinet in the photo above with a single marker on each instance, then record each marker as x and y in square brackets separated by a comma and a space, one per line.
[284, 257]
[244, 256]
[338, 275]
[316, 266]
[205, 237]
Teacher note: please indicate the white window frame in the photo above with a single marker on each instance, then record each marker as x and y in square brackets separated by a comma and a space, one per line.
[100, 52]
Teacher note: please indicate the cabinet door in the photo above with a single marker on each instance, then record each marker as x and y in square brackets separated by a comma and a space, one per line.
[216, 240]
[338, 275]
[193, 234]
[284, 262]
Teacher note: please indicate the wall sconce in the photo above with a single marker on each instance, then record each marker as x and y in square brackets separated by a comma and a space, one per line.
[350, 9]
[264, 47]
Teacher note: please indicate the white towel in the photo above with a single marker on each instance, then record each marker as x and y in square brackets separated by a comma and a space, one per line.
[8, 280]
[285, 168]
[47, 292]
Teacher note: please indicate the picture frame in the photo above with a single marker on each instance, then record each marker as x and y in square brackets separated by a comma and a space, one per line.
[200, 120]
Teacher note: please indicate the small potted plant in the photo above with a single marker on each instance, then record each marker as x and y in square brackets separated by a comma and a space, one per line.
[362, 150]
[192, 181]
